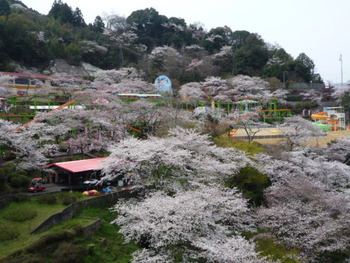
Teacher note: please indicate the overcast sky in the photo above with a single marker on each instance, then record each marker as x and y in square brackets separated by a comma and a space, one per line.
[318, 28]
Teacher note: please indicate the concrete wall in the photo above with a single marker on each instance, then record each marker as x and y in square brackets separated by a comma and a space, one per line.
[73, 209]
[5, 200]
[93, 227]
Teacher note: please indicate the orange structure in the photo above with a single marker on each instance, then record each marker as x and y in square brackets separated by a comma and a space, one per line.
[330, 119]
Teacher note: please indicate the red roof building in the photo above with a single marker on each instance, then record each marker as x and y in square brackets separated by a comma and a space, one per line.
[81, 165]
[76, 172]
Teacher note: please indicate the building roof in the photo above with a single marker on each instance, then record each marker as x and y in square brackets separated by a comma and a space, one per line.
[81, 165]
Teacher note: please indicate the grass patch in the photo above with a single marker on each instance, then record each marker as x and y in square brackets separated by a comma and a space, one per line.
[276, 252]
[20, 214]
[47, 199]
[24, 239]
[8, 232]
[107, 245]
[269, 248]
[250, 148]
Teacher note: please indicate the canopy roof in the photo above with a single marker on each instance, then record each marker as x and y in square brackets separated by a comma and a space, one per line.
[81, 165]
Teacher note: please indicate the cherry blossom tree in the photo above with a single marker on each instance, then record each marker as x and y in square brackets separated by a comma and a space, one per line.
[192, 90]
[249, 124]
[338, 150]
[184, 153]
[307, 204]
[30, 145]
[107, 79]
[245, 86]
[5, 80]
[204, 223]
[166, 60]
[189, 211]
[224, 59]
[235, 88]
[297, 130]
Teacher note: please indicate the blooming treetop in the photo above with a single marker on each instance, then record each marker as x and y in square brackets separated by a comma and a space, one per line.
[171, 159]
[308, 202]
[202, 223]
[298, 130]
[235, 88]
[29, 144]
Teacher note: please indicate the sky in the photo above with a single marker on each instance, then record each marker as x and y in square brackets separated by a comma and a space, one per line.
[314, 27]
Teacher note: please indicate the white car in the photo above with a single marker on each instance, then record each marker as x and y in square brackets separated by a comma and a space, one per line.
[91, 182]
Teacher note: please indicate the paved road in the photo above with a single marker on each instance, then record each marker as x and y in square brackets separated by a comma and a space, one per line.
[49, 188]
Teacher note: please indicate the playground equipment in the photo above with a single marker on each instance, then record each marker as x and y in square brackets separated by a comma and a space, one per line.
[248, 108]
[330, 119]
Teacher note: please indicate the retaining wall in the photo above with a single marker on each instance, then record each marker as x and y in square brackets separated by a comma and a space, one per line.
[93, 227]
[73, 209]
[5, 200]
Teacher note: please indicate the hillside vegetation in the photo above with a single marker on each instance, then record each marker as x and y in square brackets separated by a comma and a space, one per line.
[146, 40]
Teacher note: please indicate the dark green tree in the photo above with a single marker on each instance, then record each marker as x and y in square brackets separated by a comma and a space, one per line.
[217, 38]
[62, 12]
[304, 67]
[251, 57]
[78, 19]
[22, 41]
[5, 8]
[278, 65]
[98, 25]
[148, 26]
[176, 33]
[239, 38]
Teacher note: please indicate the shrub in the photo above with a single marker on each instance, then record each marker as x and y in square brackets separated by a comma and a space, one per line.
[252, 183]
[20, 198]
[68, 199]
[9, 167]
[8, 232]
[20, 215]
[69, 253]
[50, 239]
[25, 258]
[47, 199]
[19, 180]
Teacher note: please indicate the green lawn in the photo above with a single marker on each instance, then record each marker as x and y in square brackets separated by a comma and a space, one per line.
[107, 245]
[25, 228]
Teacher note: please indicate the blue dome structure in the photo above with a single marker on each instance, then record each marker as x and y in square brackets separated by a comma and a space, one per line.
[163, 85]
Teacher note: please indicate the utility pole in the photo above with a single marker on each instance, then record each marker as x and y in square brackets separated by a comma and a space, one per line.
[341, 69]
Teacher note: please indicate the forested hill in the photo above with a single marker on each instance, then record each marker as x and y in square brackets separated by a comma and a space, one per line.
[146, 40]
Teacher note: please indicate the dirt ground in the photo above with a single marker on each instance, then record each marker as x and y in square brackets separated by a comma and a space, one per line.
[317, 142]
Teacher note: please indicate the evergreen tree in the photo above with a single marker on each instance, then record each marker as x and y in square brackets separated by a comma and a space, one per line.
[98, 25]
[62, 12]
[78, 19]
[5, 8]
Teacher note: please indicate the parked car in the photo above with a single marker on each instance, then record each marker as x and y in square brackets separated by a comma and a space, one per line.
[36, 185]
[91, 182]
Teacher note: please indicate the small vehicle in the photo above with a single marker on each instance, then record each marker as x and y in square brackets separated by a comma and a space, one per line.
[91, 182]
[36, 185]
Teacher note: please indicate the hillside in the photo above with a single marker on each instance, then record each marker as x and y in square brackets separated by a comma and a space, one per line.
[146, 40]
